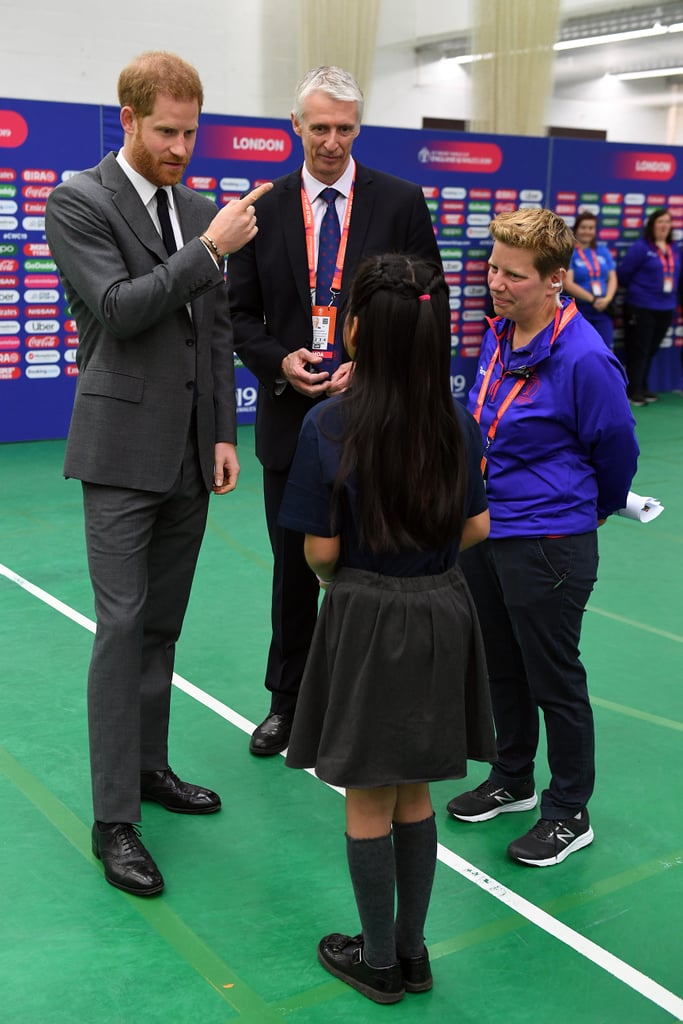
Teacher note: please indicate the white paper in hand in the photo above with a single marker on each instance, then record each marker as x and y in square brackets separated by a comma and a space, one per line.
[641, 508]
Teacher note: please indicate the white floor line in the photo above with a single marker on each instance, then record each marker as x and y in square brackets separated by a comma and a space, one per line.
[620, 970]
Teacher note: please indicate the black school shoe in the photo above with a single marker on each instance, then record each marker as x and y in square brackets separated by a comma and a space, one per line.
[342, 956]
[417, 974]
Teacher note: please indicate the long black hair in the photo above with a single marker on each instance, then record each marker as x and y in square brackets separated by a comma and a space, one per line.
[400, 432]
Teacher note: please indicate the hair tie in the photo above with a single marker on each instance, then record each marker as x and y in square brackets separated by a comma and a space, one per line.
[424, 298]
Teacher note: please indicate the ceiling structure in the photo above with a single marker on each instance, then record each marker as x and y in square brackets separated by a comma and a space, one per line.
[636, 40]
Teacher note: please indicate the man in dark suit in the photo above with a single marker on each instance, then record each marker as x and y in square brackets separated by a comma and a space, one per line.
[152, 431]
[281, 317]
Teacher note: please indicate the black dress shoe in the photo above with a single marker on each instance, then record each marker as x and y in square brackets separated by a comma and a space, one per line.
[167, 789]
[342, 956]
[127, 864]
[271, 736]
[417, 974]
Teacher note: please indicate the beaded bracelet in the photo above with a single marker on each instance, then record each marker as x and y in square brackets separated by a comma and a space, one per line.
[209, 241]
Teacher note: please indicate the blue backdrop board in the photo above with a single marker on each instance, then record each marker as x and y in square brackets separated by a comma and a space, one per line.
[622, 184]
[40, 145]
[466, 180]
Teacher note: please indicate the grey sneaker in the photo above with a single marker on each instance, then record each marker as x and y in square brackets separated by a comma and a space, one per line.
[550, 841]
[491, 799]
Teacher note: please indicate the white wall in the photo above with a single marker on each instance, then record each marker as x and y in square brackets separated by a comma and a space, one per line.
[248, 57]
[73, 50]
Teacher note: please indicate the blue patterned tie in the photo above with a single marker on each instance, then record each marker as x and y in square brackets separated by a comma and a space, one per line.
[328, 246]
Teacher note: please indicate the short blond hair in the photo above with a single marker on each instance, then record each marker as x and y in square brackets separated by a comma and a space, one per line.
[540, 231]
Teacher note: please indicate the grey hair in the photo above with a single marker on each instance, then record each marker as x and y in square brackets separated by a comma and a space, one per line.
[337, 83]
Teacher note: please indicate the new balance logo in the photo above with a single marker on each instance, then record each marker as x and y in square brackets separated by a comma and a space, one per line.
[503, 797]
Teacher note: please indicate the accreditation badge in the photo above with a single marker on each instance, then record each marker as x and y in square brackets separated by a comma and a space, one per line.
[668, 284]
[324, 321]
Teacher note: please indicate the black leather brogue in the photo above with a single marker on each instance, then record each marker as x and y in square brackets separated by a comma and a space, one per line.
[127, 864]
[165, 788]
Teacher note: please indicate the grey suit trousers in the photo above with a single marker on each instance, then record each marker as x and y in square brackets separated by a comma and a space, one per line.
[142, 553]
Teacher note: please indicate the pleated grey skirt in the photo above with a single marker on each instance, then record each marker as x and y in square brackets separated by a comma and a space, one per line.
[395, 689]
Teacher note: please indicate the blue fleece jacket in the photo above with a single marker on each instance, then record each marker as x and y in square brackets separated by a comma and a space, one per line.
[565, 451]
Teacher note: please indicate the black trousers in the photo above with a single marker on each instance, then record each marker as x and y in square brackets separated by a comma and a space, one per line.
[294, 606]
[530, 594]
[644, 331]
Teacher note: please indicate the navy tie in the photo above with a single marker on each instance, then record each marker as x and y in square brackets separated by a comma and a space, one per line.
[328, 246]
[165, 222]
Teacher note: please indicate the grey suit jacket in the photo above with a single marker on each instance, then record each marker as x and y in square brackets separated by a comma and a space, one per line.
[142, 359]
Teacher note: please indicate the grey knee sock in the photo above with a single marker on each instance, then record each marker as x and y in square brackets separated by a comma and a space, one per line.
[371, 865]
[415, 857]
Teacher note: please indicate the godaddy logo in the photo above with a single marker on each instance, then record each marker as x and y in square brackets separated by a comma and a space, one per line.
[40, 265]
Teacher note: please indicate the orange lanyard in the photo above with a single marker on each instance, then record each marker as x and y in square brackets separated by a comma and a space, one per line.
[309, 228]
[593, 264]
[562, 318]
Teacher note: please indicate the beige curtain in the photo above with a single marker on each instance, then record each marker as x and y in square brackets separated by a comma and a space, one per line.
[341, 32]
[512, 82]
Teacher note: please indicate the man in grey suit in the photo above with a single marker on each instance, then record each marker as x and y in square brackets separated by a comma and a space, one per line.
[153, 431]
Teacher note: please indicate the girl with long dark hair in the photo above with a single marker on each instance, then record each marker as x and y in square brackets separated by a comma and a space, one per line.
[386, 486]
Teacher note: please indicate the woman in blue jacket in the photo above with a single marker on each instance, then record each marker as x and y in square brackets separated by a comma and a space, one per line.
[649, 271]
[560, 453]
[592, 277]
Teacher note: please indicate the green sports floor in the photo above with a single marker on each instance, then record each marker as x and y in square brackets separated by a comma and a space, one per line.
[250, 891]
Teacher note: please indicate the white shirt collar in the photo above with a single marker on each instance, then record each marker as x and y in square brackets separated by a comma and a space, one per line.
[144, 188]
[313, 187]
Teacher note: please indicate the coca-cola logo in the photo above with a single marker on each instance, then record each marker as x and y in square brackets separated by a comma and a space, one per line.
[36, 191]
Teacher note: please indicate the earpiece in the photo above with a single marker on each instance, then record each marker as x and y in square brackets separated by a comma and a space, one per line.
[557, 284]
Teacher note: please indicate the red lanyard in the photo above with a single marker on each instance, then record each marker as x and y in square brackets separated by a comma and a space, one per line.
[667, 261]
[592, 264]
[309, 228]
[562, 318]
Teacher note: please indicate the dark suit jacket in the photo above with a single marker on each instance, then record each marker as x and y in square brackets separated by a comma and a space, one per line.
[269, 287]
[141, 357]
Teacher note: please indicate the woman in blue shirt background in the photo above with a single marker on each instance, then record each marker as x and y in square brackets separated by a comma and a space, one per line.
[592, 277]
[650, 272]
